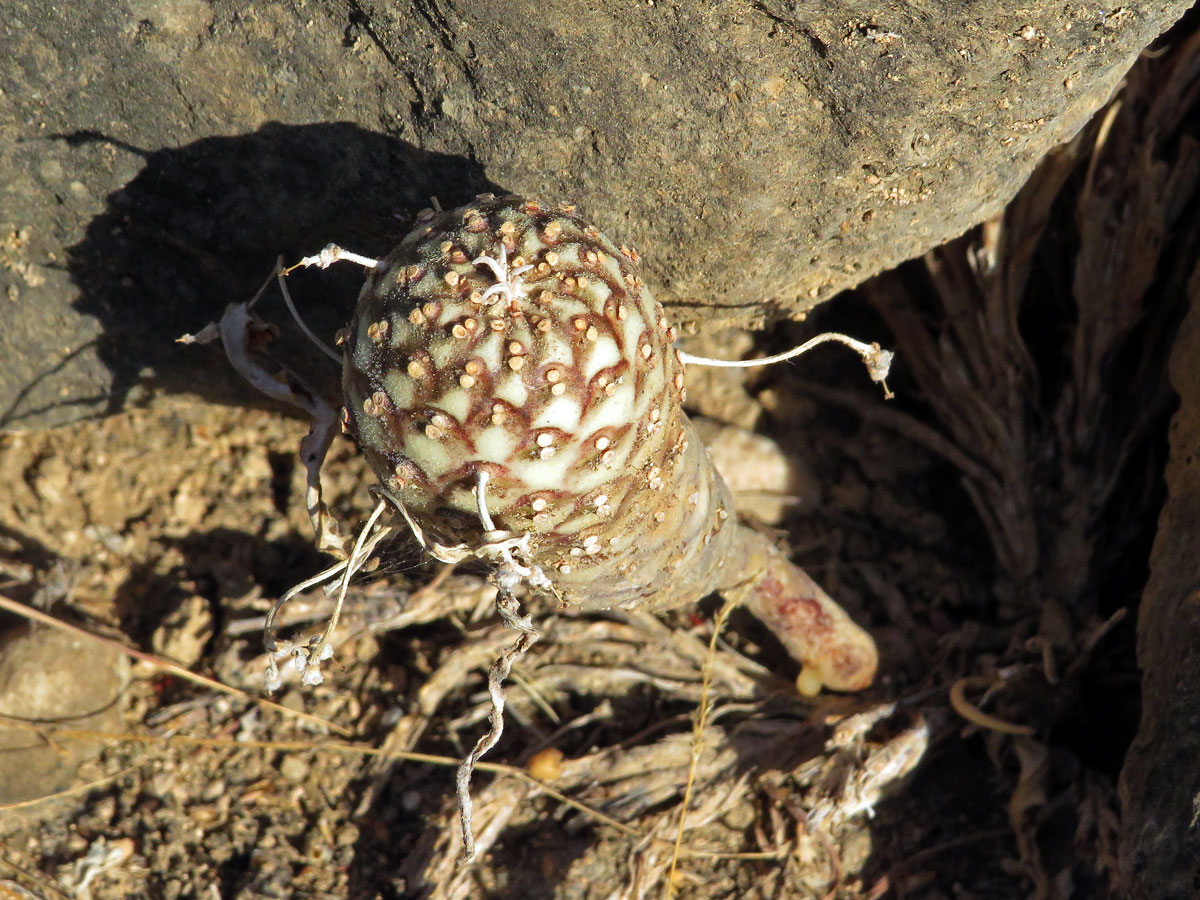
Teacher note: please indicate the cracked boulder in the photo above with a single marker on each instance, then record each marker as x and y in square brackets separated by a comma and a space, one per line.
[157, 155]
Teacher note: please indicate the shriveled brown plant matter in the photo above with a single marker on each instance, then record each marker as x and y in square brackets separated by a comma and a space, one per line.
[990, 527]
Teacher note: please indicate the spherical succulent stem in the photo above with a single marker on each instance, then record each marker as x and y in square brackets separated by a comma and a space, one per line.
[508, 373]
[515, 387]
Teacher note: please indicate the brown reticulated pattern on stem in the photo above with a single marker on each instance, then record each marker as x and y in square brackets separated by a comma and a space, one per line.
[551, 368]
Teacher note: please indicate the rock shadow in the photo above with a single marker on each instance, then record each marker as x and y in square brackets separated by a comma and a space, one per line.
[202, 225]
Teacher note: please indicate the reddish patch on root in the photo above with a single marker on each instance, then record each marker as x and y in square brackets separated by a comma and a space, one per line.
[794, 611]
[813, 629]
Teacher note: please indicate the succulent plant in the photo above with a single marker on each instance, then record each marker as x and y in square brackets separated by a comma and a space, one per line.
[516, 389]
[514, 384]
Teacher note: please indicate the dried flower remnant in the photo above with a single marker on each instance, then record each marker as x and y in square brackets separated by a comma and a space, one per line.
[541, 362]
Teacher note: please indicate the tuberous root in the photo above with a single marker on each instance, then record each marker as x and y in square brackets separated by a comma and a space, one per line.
[836, 652]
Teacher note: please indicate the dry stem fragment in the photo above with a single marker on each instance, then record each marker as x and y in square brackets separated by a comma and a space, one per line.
[237, 328]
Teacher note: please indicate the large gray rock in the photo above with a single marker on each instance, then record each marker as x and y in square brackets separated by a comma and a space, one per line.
[155, 156]
[1160, 782]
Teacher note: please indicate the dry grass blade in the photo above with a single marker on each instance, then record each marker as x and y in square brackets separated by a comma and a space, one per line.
[976, 716]
[16, 892]
[697, 740]
[69, 792]
[346, 750]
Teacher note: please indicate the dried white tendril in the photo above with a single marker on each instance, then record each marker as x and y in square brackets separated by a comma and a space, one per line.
[307, 657]
[330, 254]
[877, 360]
[510, 283]
[501, 549]
[506, 576]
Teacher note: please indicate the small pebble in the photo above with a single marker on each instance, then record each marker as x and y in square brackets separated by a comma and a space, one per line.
[294, 769]
[546, 765]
